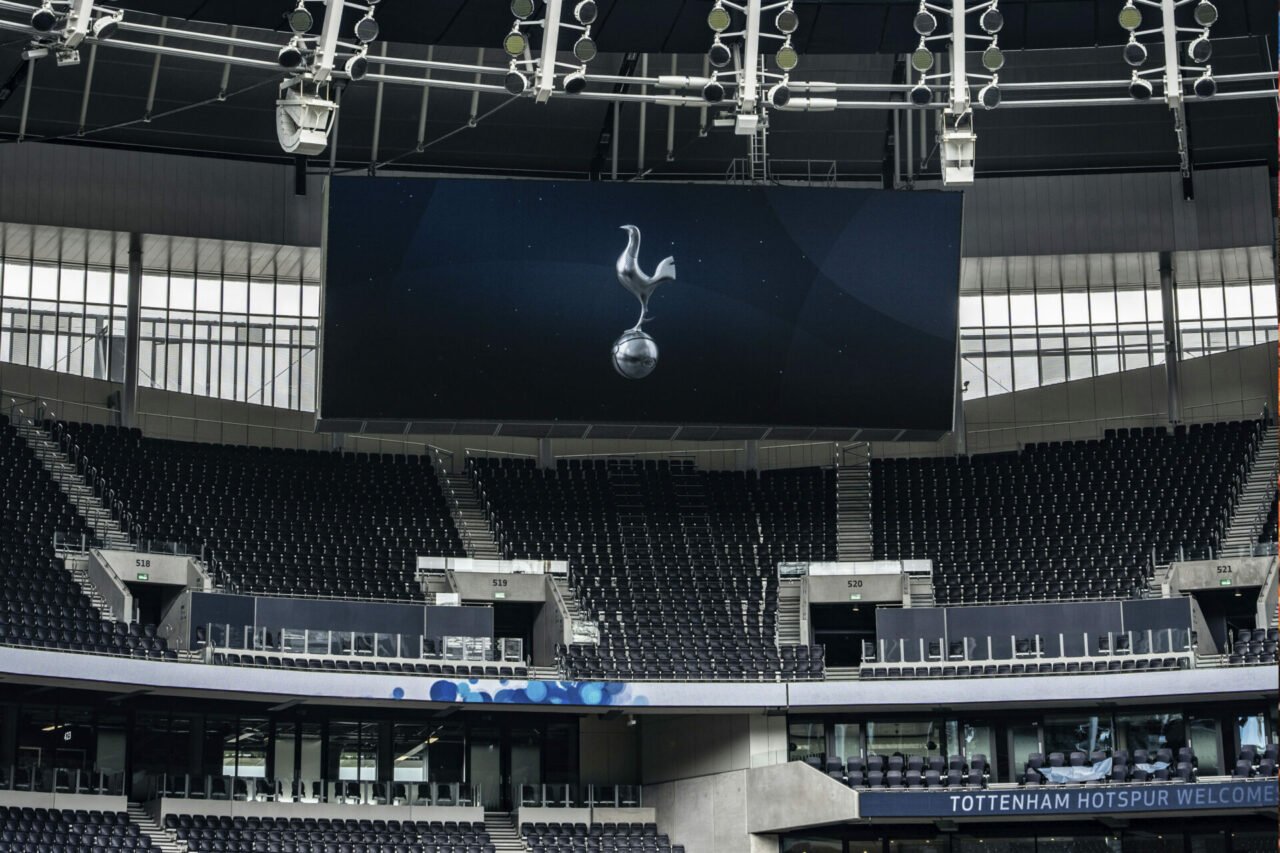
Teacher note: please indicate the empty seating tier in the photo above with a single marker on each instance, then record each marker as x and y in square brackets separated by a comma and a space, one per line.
[41, 605]
[677, 566]
[1079, 519]
[280, 521]
[595, 838]
[325, 835]
[40, 830]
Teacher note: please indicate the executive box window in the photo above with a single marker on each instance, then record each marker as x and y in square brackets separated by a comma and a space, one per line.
[806, 740]
[923, 737]
[1151, 732]
[811, 845]
[1077, 733]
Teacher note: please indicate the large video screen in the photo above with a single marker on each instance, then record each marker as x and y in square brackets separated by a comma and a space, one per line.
[527, 301]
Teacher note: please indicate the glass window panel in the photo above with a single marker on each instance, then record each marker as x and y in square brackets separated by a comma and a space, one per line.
[919, 845]
[1264, 300]
[811, 845]
[970, 312]
[261, 297]
[311, 301]
[983, 844]
[1188, 303]
[182, 293]
[1211, 304]
[1026, 372]
[1072, 733]
[235, 295]
[155, 290]
[805, 740]
[846, 740]
[17, 278]
[288, 300]
[995, 310]
[999, 375]
[44, 282]
[1151, 731]
[1131, 306]
[71, 284]
[1102, 307]
[208, 294]
[1251, 730]
[1075, 308]
[98, 286]
[1022, 309]
[1206, 743]
[1049, 308]
[906, 738]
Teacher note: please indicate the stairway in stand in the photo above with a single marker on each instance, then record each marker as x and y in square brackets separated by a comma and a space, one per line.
[468, 514]
[788, 625]
[853, 505]
[64, 473]
[160, 839]
[1255, 499]
[503, 833]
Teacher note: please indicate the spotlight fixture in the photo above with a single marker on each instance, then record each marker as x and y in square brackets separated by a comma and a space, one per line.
[993, 58]
[300, 19]
[357, 66]
[366, 28]
[719, 54]
[515, 82]
[719, 19]
[34, 53]
[1139, 88]
[922, 95]
[66, 57]
[44, 19]
[515, 42]
[922, 59]
[991, 21]
[989, 95]
[1130, 16]
[787, 57]
[290, 55]
[1205, 14]
[1135, 52]
[584, 49]
[925, 22]
[108, 25]
[780, 95]
[713, 92]
[787, 21]
[577, 81]
[1205, 86]
[1201, 49]
[522, 9]
[586, 12]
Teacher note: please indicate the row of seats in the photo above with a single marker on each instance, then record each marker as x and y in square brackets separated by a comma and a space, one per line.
[1063, 519]
[676, 566]
[44, 830]
[1255, 762]
[896, 771]
[436, 670]
[322, 835]
[595, 838]
[278, 521]
[1254, 646]
[1142, 766]
[961, 670]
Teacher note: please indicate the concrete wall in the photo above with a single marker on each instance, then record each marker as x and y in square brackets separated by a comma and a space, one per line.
[88, 802]
[1210, 574]
[549, 627]
[706, 744]
[486, 587]
[608, 751]
[840, 589]
[745, 810]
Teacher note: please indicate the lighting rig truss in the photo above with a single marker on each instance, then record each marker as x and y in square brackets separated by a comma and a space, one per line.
[735, 72]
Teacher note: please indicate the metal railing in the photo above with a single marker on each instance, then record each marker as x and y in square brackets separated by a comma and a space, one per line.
[216, 637]
[259, 789]
[526, 795]
[1038, 647]
[61, 780]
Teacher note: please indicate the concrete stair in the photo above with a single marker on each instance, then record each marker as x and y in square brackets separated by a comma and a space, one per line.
[468, 515]
[853, 508]
[160, 840]
[788, 624]
[73, 485]
[76, 567]
[504, 835]
[920, 591]
[1255, 499]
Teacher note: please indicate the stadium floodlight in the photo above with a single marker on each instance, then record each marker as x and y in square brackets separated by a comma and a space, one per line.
[515, 43]
[1139, 88]
[584, 49]
[922, 58]
[719, 54]
[922, 95]
[108, 25]
[576, 82]
[515, 82]
[787, 21]
[1205, 86]
[925, 21]
[1201, 49]
[357, 66]
[586, 12]
[44, 19]
[1205, 14]
[989, 95]
[719, 19]
[991, 21]
[300, 19]
[780, 95]
[993, 57]
[290, 55]
[713, 92]
[1135, 52]
[367, 28]
[1130, 16]
[787, 57]
[66, 56]
[523, 9]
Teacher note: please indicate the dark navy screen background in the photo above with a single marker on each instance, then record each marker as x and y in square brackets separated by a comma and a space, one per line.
[498, 300]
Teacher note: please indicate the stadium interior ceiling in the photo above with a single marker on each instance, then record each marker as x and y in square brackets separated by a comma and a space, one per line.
[838, 41]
